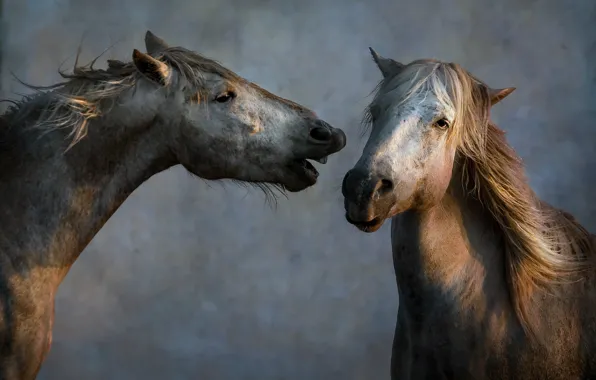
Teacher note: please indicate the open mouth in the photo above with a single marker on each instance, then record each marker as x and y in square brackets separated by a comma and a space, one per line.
[368, 226]
[307, 167]
[305, 170]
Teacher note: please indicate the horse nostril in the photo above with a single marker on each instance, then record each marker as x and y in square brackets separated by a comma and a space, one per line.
[321, 134]
[384, 186]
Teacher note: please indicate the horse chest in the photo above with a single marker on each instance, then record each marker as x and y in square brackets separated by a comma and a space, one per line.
[430, 345]
[446, 325]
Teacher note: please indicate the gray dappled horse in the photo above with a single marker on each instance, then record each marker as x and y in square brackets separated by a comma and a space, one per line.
[70, 156]
[493, 282]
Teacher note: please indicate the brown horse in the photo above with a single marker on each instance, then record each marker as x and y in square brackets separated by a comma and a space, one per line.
[70, 156]
[493, 282]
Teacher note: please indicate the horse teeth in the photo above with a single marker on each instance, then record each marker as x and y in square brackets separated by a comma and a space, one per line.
[322, 160]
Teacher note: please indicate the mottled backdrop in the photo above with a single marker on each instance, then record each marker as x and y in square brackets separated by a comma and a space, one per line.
[194, 280]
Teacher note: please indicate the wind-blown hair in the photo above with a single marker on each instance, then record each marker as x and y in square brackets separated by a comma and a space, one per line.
[88, 93]
[543, 245]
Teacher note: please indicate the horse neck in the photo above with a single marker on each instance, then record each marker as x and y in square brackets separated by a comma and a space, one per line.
[450, 255]
[55, 201]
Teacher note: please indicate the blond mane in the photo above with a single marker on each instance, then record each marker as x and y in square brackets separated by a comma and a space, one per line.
[543, 245]
[87, 93]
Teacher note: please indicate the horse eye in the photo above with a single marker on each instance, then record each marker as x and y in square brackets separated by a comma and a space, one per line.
[225, 97]
[442, 124]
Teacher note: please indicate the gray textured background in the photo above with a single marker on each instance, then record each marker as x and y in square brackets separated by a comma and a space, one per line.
[191, 280]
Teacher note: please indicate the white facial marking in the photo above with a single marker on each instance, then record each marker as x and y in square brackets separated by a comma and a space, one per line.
[405, 145]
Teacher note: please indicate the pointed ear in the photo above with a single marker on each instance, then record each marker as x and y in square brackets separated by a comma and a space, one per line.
[498, 94]
[151, 68]
[154, 44]
[388, 66]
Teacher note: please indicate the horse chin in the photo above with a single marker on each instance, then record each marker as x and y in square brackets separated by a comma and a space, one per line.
[377, 222]
[297, 186]
[370, 226]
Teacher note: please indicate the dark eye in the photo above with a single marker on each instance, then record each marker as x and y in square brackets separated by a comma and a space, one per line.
[442, 123]
[225, 97]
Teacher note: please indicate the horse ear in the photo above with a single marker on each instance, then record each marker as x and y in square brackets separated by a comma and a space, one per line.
[151, 68]
[498, 94]
[388, 66]
[153, 43]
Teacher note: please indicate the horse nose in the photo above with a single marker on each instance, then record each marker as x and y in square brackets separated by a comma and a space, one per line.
[322, 132]
[353, 184]
[359, 183]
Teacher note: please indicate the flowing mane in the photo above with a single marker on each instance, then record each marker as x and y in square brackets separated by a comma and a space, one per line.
[88, 92]
[543, 245]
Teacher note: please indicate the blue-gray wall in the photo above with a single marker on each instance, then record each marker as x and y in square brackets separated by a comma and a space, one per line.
[196, 281]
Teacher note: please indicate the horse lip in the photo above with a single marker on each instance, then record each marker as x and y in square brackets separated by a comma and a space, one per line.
[367, 226]
[320, 157]
[322, 160]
